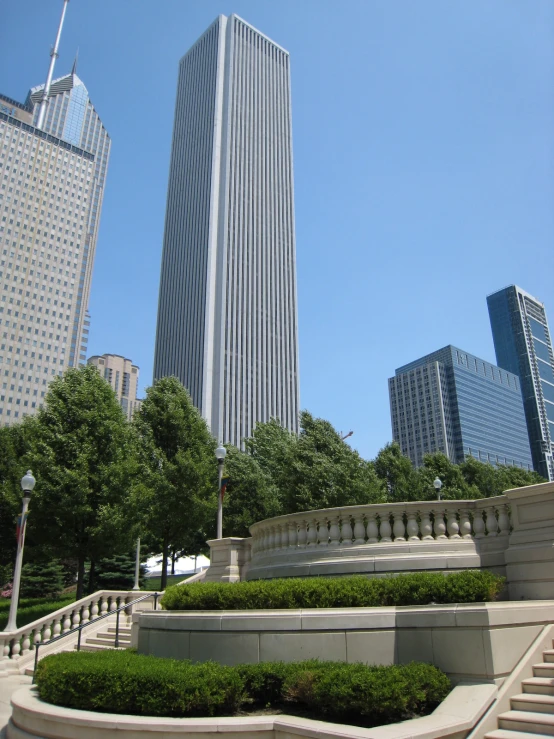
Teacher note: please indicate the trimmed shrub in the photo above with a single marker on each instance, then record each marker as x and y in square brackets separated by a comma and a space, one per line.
[419, 588]
[126, 682]
[27, 613]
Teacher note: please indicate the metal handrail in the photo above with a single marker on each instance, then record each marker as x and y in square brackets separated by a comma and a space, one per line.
[94, 620]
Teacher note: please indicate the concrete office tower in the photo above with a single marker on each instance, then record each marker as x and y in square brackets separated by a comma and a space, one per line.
[46, 186]
[123, 376]
[52, 179]
[71, 116]
[227, 314]
[452, 402]
[523, 345]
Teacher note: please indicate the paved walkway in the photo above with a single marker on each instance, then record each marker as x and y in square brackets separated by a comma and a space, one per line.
[7, 686]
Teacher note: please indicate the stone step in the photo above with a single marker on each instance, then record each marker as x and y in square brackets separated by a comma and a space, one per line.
[505, 734]
[533, 723]
[548, 655]
[540, 685]
[97, 647]
[108, 642]
[533, 702]
[543, 669]
[122, 630]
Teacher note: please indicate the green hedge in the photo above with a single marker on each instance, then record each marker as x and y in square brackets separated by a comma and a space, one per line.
[129, 683]
[470, 586]
[27, 613]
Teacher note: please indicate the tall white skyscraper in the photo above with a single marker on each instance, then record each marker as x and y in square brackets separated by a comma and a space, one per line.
[227, 314]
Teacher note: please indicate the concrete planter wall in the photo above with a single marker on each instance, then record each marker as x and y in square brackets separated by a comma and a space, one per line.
[33, 719]
[480, 642]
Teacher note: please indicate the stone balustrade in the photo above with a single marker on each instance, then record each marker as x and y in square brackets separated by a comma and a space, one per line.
[15, 646]
[378, 524]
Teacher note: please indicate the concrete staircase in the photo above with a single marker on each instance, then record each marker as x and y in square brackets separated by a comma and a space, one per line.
[106, 639]
[532, 711]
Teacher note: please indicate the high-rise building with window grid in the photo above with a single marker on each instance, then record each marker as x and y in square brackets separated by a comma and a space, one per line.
[523, 345]
[51, 188]
[227, 314]
[123, 376]
[455, 403]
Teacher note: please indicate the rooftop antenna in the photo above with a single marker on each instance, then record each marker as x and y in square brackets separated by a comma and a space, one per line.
[75, 61]
[53, 57]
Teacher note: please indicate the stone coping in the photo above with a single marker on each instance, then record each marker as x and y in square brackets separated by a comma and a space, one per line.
[497, 614]
[34, 719]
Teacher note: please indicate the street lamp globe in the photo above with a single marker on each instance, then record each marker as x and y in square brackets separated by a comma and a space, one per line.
[27, 484]
[437, 483]
[220, 453]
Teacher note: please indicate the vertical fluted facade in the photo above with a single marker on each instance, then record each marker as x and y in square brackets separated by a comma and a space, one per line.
[227, 315]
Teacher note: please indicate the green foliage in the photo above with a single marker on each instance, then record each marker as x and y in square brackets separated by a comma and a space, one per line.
[42, 580]
[13, 447]
[397, 473]
[117, 573]
[26, 614]
[125, 682]
[179, 471]
[82, 459]
[419, 588]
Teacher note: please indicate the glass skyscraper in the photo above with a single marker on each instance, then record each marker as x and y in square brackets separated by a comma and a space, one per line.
[227, 312]
[455, 403]
[523, 345]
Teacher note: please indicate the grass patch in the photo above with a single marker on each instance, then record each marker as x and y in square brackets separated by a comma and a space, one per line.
[154, 583]
[470, 586]
[124, 682]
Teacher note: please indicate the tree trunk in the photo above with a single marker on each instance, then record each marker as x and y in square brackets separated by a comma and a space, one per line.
[165, 553]
[90, 588]
[80, 579]
[173, 557]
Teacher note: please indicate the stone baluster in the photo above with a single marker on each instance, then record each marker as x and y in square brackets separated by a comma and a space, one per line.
[15, 648]
[270, 539]
[75, 617]
[276, 537]
[302, 535]
[359, 529]
[94, 609]
[26, 642]
[312, 533]
[398, 527]
[412, 528]
[346, 531]
[372, 529]
[491, 522]
[452, 525]
[293, 534]
[57, 628]
[465, 524]
[36, 636]
[385, 527]
[478, 524]
[103, 606]
[283, 536]
[66, 621]
[47, 631]
[323, 533]
[85, 613]
[113, 603]
[439, 527]
[503, 520]
[334, 532]
[426, 525]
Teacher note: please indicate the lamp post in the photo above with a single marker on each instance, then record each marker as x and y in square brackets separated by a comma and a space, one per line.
[27, 485]
[136, 586]
[220, 453]
[438, 485]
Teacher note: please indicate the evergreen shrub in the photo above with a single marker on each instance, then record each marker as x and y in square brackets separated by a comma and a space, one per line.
[126, 682]
[42, 580]
[38, 608]
[418, 588]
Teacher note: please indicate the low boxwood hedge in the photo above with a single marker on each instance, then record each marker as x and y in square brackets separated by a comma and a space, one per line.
[129, 683]
[26, 614]
[419, 588]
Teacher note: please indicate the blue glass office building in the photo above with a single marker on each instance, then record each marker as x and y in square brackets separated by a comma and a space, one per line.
[453, 402]
[523, 346]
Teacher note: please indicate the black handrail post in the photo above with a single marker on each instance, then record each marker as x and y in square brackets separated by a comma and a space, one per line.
[36, 663]
[117, 629]
[155, 601]
[79, 638]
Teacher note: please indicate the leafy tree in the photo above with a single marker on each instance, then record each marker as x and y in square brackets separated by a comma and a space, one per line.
[396, 471]
[251, 495]
[81, 456]
[179, 470]
[118, 572]
[13, 446]
[454, 485]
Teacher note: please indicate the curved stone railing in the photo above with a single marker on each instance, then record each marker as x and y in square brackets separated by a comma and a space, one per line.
[392, 523]
[16, 645]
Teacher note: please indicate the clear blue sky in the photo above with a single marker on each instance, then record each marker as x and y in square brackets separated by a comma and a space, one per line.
[424, 171]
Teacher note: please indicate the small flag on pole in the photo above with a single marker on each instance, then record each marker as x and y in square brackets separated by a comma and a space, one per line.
[20, 529]
[224, 483]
